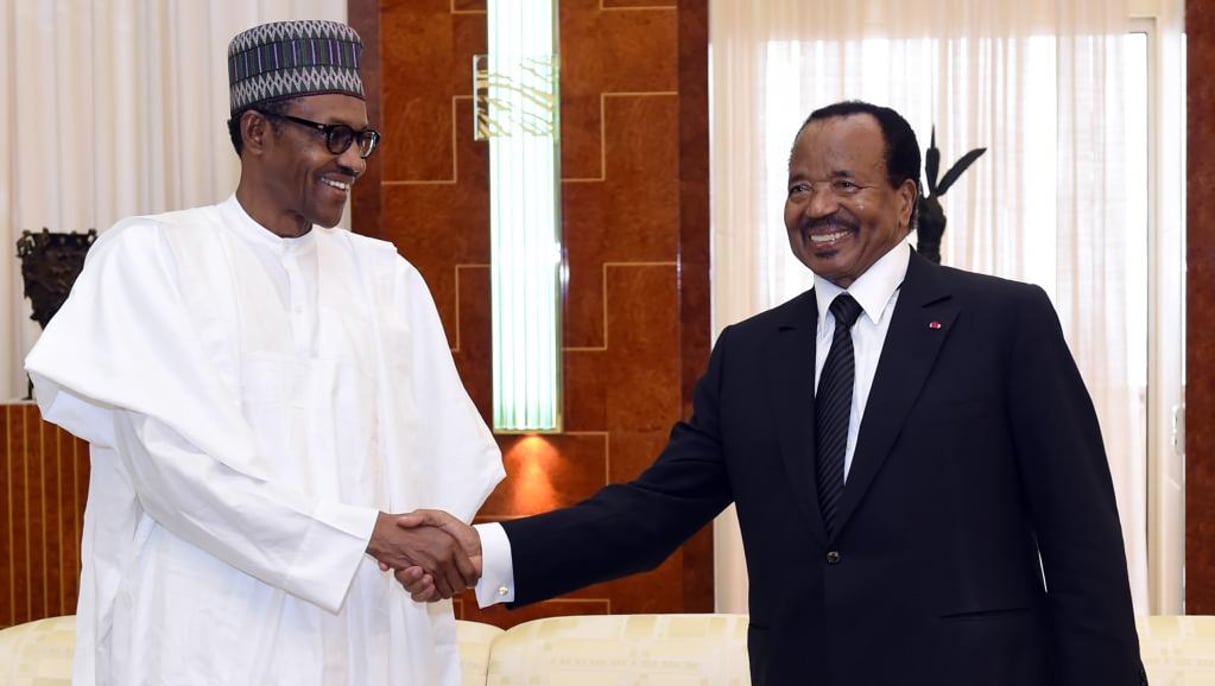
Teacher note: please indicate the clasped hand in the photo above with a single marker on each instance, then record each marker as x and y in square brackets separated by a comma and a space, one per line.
[433, 554]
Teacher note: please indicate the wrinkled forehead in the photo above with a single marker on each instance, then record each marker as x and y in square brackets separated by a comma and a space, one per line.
[331, 108]
[851, 145]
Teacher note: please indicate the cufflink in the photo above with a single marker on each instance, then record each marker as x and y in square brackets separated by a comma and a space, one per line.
[502, 591]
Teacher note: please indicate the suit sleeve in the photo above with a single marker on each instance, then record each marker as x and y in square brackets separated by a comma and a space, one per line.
[1071, 498]
[632, 527]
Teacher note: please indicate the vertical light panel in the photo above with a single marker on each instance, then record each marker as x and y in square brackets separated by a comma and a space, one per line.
[517, 105]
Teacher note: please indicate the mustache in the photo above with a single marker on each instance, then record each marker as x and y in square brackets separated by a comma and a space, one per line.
[832, 221]
[343, 170]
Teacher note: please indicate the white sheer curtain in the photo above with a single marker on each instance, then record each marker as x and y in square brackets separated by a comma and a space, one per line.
[113, 108]
[1037, 83]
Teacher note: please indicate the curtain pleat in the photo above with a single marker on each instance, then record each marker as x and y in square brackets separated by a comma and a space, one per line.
[1038, 83]
[115, 108]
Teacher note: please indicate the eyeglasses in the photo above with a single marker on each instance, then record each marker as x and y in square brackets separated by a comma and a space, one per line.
[338, 137]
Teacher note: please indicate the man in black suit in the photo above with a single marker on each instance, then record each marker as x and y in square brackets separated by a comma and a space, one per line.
[935, 509]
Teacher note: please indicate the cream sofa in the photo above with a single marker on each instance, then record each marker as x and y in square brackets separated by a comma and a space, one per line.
[595, 650]
[708, 649]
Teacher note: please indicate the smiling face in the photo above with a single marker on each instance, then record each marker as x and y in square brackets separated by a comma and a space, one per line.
[841, 212]
[289, 179]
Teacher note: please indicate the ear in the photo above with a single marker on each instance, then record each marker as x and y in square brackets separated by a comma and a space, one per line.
[255, 131]
[908, 193]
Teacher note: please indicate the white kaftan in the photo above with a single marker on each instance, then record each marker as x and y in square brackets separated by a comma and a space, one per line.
[252, 402]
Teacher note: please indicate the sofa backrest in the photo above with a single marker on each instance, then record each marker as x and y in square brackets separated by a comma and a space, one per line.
[705, 649]
[475, 641]
[1178, 650]
[38, 653]
[614, 649]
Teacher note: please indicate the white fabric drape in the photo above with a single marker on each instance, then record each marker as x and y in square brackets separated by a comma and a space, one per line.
[1166, 335]
[1039, 84]
[114, 108]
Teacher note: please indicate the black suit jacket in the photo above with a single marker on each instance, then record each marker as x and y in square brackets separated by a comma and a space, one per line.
[979, 454]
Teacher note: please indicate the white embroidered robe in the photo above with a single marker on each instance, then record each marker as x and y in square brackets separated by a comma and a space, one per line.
[251, 403]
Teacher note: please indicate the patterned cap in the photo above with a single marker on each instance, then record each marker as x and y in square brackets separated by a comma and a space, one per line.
[291, 58]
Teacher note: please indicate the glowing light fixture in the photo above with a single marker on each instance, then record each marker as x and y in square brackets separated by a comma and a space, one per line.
[517, 110]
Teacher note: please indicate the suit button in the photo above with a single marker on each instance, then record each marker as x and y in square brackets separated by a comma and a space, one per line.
[833, 557]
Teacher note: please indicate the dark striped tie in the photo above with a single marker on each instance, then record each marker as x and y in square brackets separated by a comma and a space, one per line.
[832, 405]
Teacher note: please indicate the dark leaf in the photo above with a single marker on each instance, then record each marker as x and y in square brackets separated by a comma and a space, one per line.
[956, 170]
[932, 163]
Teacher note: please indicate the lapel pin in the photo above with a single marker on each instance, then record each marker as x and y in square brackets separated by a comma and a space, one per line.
[934, 325]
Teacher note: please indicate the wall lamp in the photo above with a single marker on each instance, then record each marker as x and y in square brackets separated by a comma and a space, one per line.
[517, 110]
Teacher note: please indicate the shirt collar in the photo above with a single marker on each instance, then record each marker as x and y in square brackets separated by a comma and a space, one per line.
[248, 229]
[874, 288]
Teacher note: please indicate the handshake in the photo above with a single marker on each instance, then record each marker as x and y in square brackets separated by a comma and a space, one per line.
[433, 554]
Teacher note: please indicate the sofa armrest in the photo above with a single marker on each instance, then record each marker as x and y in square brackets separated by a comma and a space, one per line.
[38, 652]
[1178, 650]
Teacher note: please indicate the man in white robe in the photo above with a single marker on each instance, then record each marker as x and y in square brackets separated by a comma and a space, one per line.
[260, 392]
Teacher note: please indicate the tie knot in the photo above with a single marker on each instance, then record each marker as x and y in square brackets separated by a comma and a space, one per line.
[845, 309]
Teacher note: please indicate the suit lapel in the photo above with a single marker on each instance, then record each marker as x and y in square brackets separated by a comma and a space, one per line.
[790, 372]
[922, 319]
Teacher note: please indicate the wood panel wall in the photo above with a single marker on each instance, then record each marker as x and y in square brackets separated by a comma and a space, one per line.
[634, 164]
[1200, 312]
[635, 191]
[44, 475]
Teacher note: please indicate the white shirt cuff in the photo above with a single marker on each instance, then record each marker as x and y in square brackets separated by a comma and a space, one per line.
[497, 584]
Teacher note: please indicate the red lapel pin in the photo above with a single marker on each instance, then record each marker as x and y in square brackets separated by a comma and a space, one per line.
[934, 324]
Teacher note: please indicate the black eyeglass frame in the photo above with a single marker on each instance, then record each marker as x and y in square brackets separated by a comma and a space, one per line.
[332, 133]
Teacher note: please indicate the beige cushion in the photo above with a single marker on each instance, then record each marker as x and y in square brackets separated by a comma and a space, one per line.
[1178, 651]
[654, 650]
[38, 653]
[475, 640]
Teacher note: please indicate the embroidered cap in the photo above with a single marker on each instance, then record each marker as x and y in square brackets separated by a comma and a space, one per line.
[286, 59]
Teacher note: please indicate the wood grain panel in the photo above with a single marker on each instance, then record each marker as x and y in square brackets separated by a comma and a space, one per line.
[473, 351]
[466, 608]
[635, 205]
[440, 224]
[1200, 313]
[694, 257]
[642, 383]
[43, 486]
[366, 192]
[11, 483]
[630, 216]
[636, 197]
[415, 72]
[607, 53]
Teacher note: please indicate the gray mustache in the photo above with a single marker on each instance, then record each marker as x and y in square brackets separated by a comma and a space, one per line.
[832, 221]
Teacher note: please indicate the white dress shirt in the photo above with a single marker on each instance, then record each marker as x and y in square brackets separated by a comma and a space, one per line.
[876, 291]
